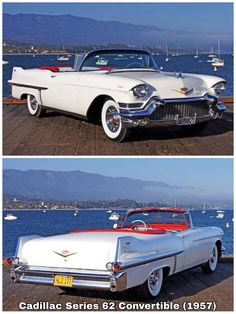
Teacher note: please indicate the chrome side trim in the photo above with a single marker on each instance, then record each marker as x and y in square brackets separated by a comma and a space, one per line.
[206, 238]
[150, 260]
[26, 85]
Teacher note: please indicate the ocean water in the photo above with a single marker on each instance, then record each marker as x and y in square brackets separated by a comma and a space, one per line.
[63, 221]
[185, 64]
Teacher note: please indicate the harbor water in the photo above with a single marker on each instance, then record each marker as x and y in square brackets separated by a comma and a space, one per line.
[54, 222]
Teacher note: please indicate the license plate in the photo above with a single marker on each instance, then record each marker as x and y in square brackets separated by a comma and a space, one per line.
[186, 121]
[65, 281]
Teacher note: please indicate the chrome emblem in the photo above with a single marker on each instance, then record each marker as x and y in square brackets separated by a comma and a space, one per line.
[183, 90]
[65, 253]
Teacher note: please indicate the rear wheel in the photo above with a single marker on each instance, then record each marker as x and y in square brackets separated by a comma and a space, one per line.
[195, 128]
[111, 121]
[152, 286]
[33, 106]
[211, 264]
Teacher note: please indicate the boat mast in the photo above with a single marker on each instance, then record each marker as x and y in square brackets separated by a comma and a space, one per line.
[219, 48]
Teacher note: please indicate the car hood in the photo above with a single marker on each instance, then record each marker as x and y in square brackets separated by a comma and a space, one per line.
[168, 84]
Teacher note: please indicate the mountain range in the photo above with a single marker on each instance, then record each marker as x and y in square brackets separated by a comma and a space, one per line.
[83, 186]
[75, 30]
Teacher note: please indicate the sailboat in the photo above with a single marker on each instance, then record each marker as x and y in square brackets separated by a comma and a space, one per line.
[167, 54]
[218, 62]
[212, 54]
[204, 208]
[196, 56]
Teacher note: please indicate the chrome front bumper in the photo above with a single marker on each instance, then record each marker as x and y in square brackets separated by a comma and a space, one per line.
[144, 117]
[81, 279]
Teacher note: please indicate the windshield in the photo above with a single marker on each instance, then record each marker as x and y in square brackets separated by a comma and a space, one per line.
[155, 217]
[107, 60]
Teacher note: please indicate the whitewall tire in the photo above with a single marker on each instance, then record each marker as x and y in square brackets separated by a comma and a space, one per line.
[111, 121]
[152, 286]
[33, 106]
[211, 264]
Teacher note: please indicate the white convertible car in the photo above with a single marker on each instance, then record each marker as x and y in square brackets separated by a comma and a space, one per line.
[123, 89]
[144, 247]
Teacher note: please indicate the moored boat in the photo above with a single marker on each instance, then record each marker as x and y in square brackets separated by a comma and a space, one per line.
[63, 58]
[114, 216]
[218, 62]
[10, 217]
[220, 214]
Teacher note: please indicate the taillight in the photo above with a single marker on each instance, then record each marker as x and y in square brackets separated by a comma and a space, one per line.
[14, 261]
[116, 266]
[113, 267]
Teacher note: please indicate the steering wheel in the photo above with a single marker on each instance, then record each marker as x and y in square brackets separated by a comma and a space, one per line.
[135, 63]
[137, 227]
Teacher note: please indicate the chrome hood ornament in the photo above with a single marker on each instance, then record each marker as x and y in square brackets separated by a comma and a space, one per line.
[183, 90]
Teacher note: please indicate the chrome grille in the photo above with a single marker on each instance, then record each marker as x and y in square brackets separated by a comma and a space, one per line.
[184, 110]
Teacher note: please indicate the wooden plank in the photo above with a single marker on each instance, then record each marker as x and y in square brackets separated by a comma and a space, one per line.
[189, 286]
[13, 101]
[59, 134]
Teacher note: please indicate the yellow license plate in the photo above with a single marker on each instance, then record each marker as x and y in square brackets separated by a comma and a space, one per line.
[64, 281]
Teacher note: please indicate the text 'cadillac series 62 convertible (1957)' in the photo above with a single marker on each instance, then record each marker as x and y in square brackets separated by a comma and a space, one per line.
[145, 246]
[122, 88]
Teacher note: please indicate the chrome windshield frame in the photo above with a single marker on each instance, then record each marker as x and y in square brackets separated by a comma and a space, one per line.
[121, 50]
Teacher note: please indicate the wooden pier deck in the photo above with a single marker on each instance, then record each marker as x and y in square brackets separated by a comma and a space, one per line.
[189, 286]
[60, 134]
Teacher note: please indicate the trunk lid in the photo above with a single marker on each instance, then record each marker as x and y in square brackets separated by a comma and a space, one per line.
[83, 250]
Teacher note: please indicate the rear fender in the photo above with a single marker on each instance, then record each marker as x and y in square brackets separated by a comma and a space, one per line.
[21, 242]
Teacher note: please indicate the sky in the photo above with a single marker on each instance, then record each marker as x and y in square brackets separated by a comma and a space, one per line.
[216, 173]
[197, 17]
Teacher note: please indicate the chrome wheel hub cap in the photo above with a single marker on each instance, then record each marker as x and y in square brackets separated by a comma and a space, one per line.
[213, 258]
[33, 103]
[154, 280]
[112, 119]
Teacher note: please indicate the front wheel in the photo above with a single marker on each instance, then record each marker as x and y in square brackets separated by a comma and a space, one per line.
[211, 264]
[33, 106]
[195, 128]
[111, 121]
[152, 286]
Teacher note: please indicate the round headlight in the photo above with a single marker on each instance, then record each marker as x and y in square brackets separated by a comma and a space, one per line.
[219, 88]
[140, 90]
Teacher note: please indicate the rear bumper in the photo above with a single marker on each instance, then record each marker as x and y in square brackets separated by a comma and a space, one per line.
[149, 116]
[81, 279]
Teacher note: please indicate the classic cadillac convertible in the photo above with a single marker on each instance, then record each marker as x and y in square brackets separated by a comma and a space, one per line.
[123, 89]
[145, 246]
